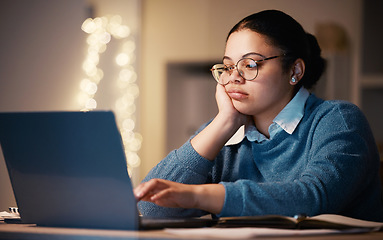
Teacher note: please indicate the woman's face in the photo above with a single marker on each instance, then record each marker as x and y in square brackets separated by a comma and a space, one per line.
[270, 91]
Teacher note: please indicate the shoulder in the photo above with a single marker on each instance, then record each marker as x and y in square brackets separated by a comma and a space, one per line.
[320, 106]
[336, 113]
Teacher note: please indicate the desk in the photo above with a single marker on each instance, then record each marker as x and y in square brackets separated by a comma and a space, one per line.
[25, 232]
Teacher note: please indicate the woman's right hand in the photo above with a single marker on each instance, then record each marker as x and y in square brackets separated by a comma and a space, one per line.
[227, 109]
[209, 142]
[208, 197]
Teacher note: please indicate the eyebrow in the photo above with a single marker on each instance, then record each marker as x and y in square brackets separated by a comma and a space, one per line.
[245, 56]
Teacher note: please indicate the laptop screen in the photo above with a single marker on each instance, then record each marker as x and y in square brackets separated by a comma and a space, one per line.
[68, 169]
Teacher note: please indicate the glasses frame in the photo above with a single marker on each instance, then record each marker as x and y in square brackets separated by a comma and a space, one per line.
[231, 68]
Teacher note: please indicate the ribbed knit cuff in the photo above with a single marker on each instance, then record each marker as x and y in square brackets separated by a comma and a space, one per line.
[233, 205]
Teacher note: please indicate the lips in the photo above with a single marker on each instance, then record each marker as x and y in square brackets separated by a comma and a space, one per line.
[237, 94]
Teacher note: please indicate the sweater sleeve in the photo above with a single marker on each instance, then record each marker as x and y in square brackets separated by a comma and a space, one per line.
[340, 175]
[183, 165]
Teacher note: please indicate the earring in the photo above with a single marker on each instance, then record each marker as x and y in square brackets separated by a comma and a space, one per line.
[293, 80]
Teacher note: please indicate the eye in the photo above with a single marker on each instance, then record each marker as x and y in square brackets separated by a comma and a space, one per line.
[228, 68]
[251, 65]
[248, 64]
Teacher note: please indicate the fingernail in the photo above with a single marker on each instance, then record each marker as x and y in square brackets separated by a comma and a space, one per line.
[138, 194]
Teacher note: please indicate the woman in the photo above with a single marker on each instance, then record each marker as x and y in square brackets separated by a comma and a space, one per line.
[296, 153]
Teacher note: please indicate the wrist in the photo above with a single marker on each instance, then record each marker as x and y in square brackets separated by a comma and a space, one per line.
[210, 140]
[227, 125]
[209, 197]
[230, 121]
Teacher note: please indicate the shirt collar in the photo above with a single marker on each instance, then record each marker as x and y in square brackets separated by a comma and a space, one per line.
[290, 116]
[288, 120]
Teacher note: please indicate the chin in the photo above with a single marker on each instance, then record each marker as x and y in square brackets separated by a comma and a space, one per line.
[242, 109]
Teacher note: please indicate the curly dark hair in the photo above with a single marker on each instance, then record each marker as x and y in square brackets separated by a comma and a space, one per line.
[286, 33]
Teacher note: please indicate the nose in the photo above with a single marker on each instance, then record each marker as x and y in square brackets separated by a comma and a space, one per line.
[235, 77]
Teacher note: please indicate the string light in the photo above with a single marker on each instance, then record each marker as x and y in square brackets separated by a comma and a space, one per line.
[101, 30]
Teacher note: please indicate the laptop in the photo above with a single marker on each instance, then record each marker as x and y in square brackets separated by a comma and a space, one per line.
[68, 169]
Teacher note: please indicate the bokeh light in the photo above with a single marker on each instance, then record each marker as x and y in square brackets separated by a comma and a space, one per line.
[101, 30]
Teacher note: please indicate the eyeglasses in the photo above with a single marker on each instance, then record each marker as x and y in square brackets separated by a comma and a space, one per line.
[246, 67]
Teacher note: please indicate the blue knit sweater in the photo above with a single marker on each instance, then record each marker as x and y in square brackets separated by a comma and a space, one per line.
[329, 164]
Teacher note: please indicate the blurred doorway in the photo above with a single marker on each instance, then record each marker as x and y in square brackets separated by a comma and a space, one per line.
[190, 100]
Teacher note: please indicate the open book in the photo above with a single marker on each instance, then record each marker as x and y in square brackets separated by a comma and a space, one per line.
[324, 221]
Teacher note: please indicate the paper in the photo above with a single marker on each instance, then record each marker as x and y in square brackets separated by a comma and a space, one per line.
[236, 233]
[324, 221]
[8, 215]
[348, 221]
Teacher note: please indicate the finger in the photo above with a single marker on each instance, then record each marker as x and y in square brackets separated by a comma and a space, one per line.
[138, 193]
[165, 198]
[145, 190]
[220, 90]
[142, 190]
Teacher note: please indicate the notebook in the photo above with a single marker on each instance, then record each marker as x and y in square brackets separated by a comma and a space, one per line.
[68, 169]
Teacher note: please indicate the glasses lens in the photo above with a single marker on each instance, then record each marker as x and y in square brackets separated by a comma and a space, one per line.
[218, 71]
[248, 68]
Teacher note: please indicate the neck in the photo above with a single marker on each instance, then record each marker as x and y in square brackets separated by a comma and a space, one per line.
[263, 120]
[263, 124]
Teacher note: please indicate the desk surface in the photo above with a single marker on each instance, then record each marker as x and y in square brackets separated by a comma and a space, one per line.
[21, 232]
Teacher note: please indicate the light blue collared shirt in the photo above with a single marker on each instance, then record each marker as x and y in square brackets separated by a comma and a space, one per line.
[287, 120]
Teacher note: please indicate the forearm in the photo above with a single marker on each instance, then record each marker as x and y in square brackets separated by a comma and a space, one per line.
[249, 198]
[210, 197]
[183, 165]
[209, 142]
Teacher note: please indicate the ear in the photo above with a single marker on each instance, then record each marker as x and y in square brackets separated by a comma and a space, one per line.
[298, 70]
